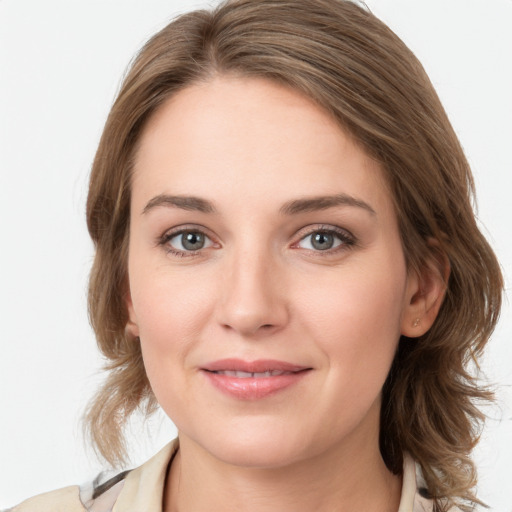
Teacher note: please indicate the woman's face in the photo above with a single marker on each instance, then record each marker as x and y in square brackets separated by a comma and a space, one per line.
[267, 280]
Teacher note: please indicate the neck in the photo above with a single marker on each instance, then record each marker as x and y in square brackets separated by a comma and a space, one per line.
[339, 480]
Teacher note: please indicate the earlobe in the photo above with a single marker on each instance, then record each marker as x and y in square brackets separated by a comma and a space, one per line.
[426, 289]
[132, 328]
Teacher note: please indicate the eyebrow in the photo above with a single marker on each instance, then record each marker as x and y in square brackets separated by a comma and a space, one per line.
[303, 205]
[183, 202]
[311, 204]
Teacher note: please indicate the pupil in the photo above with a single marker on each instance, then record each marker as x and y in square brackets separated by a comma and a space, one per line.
[322, 241]
[192, 241]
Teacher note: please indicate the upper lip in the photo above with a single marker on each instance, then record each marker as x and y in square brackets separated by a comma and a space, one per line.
[258, 366]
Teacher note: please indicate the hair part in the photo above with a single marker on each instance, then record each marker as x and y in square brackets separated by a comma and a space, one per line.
[353, 66]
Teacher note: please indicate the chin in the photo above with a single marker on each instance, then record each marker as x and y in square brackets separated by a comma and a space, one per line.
[266, 455]
[260, 447]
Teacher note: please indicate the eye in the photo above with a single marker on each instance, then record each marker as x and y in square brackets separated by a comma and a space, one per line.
[186, 241]
[325, 240]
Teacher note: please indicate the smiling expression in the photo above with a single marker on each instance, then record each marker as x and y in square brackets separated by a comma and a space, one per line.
[267, 279]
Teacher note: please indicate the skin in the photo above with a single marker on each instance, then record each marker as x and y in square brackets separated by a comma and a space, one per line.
[259, 289]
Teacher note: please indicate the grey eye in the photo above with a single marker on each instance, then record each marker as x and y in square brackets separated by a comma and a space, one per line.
[192, 241]
[321, 241]
[189, 241]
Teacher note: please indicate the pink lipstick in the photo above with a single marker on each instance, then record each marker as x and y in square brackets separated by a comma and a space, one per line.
[253, 380]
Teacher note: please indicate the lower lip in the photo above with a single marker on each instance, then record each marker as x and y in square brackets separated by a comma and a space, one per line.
[254, 388]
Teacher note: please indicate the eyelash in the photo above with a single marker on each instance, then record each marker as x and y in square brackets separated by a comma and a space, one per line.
[169, 235]
[347, 240]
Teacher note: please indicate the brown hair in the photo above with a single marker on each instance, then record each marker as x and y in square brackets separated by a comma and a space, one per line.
[351, 64]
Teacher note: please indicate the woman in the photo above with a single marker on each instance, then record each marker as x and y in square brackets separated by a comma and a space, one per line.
[288, 263]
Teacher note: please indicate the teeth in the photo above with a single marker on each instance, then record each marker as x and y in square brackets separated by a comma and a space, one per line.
[250, 375]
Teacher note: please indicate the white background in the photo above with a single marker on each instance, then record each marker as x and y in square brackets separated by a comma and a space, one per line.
[60, 66]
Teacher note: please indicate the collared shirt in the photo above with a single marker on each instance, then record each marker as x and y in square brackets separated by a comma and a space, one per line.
[142, 490]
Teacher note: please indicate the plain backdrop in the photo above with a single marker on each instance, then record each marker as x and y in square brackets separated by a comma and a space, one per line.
[60, 66]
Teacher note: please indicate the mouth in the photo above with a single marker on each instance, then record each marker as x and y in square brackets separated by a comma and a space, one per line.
[260, 367]
[251, 375]
[253, 380]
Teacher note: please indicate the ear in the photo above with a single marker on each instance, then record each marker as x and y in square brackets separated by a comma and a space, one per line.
[426, 289]
[132, 327]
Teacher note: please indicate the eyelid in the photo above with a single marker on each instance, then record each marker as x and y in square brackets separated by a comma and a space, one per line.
[169, 234]
[347, 238]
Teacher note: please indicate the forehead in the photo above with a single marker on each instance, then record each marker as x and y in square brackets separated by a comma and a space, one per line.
[231, 135]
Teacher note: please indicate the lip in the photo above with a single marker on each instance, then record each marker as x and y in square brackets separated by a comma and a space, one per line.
[235, 377]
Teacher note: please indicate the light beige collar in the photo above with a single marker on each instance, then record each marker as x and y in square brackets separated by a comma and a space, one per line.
[143, 488]
[408, 485]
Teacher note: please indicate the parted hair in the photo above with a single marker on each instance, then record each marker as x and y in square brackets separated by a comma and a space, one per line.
[352, 65]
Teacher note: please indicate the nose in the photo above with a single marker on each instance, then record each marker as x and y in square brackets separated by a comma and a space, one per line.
[254, 302]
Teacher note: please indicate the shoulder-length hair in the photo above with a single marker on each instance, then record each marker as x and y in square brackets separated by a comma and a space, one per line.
[352, 65]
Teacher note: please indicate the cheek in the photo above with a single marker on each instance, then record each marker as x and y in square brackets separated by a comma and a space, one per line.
[356, 317]
[166, 309]
[171, 310]
[166, 328]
